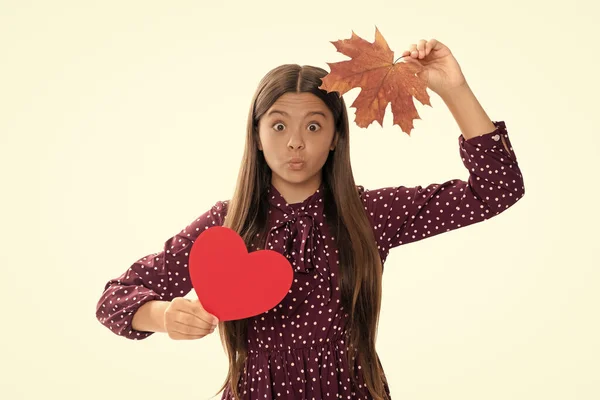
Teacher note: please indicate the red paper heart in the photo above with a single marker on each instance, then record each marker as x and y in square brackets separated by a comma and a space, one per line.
[232, 283]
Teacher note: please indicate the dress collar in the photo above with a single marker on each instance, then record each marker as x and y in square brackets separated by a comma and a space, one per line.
[313, 203]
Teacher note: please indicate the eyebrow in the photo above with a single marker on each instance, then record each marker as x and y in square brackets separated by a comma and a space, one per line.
[286, 114]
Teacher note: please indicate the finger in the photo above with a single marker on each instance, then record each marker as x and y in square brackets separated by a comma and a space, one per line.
[421, 48]
[413, 50]
[194, 321]
[191, 329]
[192, 317]
[199, 311]
[429, 46]
[432, 44]
[411, 59]
[188, 323]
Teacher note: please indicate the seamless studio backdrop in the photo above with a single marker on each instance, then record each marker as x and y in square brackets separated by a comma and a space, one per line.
[121, 122]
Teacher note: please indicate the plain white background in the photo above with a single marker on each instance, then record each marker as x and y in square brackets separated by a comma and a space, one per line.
[121, 122]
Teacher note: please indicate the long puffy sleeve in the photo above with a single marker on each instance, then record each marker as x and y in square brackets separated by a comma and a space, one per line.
[401, 215]
[158, 276]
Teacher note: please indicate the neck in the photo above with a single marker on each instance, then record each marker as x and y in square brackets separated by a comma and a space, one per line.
[296, 192]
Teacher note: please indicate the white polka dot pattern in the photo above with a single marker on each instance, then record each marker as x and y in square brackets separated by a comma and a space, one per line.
[297, 349]
[402, 215]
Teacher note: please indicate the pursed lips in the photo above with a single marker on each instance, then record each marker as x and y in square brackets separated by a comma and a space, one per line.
[295, 163]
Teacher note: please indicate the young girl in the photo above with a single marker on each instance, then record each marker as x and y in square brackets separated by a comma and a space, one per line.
[296, 195]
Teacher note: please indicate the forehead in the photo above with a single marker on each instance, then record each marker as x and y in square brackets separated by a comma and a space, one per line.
[299, 104]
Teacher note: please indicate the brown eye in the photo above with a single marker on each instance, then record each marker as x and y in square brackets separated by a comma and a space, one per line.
[279, 123]
[315, 124]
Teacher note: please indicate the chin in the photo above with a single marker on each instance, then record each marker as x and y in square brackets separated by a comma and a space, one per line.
[295, 177]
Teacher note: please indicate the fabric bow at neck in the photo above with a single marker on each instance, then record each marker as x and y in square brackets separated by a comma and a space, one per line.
[303, 222]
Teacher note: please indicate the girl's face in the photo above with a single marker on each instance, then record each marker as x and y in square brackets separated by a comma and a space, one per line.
[296, 135]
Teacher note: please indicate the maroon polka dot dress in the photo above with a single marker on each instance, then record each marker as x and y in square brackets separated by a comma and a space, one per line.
[297, 349]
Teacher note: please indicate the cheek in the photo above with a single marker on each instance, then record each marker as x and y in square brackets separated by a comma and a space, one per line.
[321, 153]
[269, 150]
[323, 157]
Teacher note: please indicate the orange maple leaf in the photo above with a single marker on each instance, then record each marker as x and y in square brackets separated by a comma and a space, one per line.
[382, 81]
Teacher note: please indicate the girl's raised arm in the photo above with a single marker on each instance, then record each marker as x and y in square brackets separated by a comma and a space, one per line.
[402, 215]
[159, 276]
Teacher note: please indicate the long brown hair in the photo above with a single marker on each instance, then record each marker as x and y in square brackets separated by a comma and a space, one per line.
[360, 263]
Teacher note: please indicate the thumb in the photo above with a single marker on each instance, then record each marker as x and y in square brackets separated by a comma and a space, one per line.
[196, 303]
[409, 59]
[199, 308]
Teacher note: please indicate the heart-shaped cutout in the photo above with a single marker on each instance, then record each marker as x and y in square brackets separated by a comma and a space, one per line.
[233, 284]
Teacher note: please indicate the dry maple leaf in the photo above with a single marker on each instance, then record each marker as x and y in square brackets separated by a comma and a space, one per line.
[382, 81]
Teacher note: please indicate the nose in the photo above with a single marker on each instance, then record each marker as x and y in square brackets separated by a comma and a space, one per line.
[293, 146]
[296, 142]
